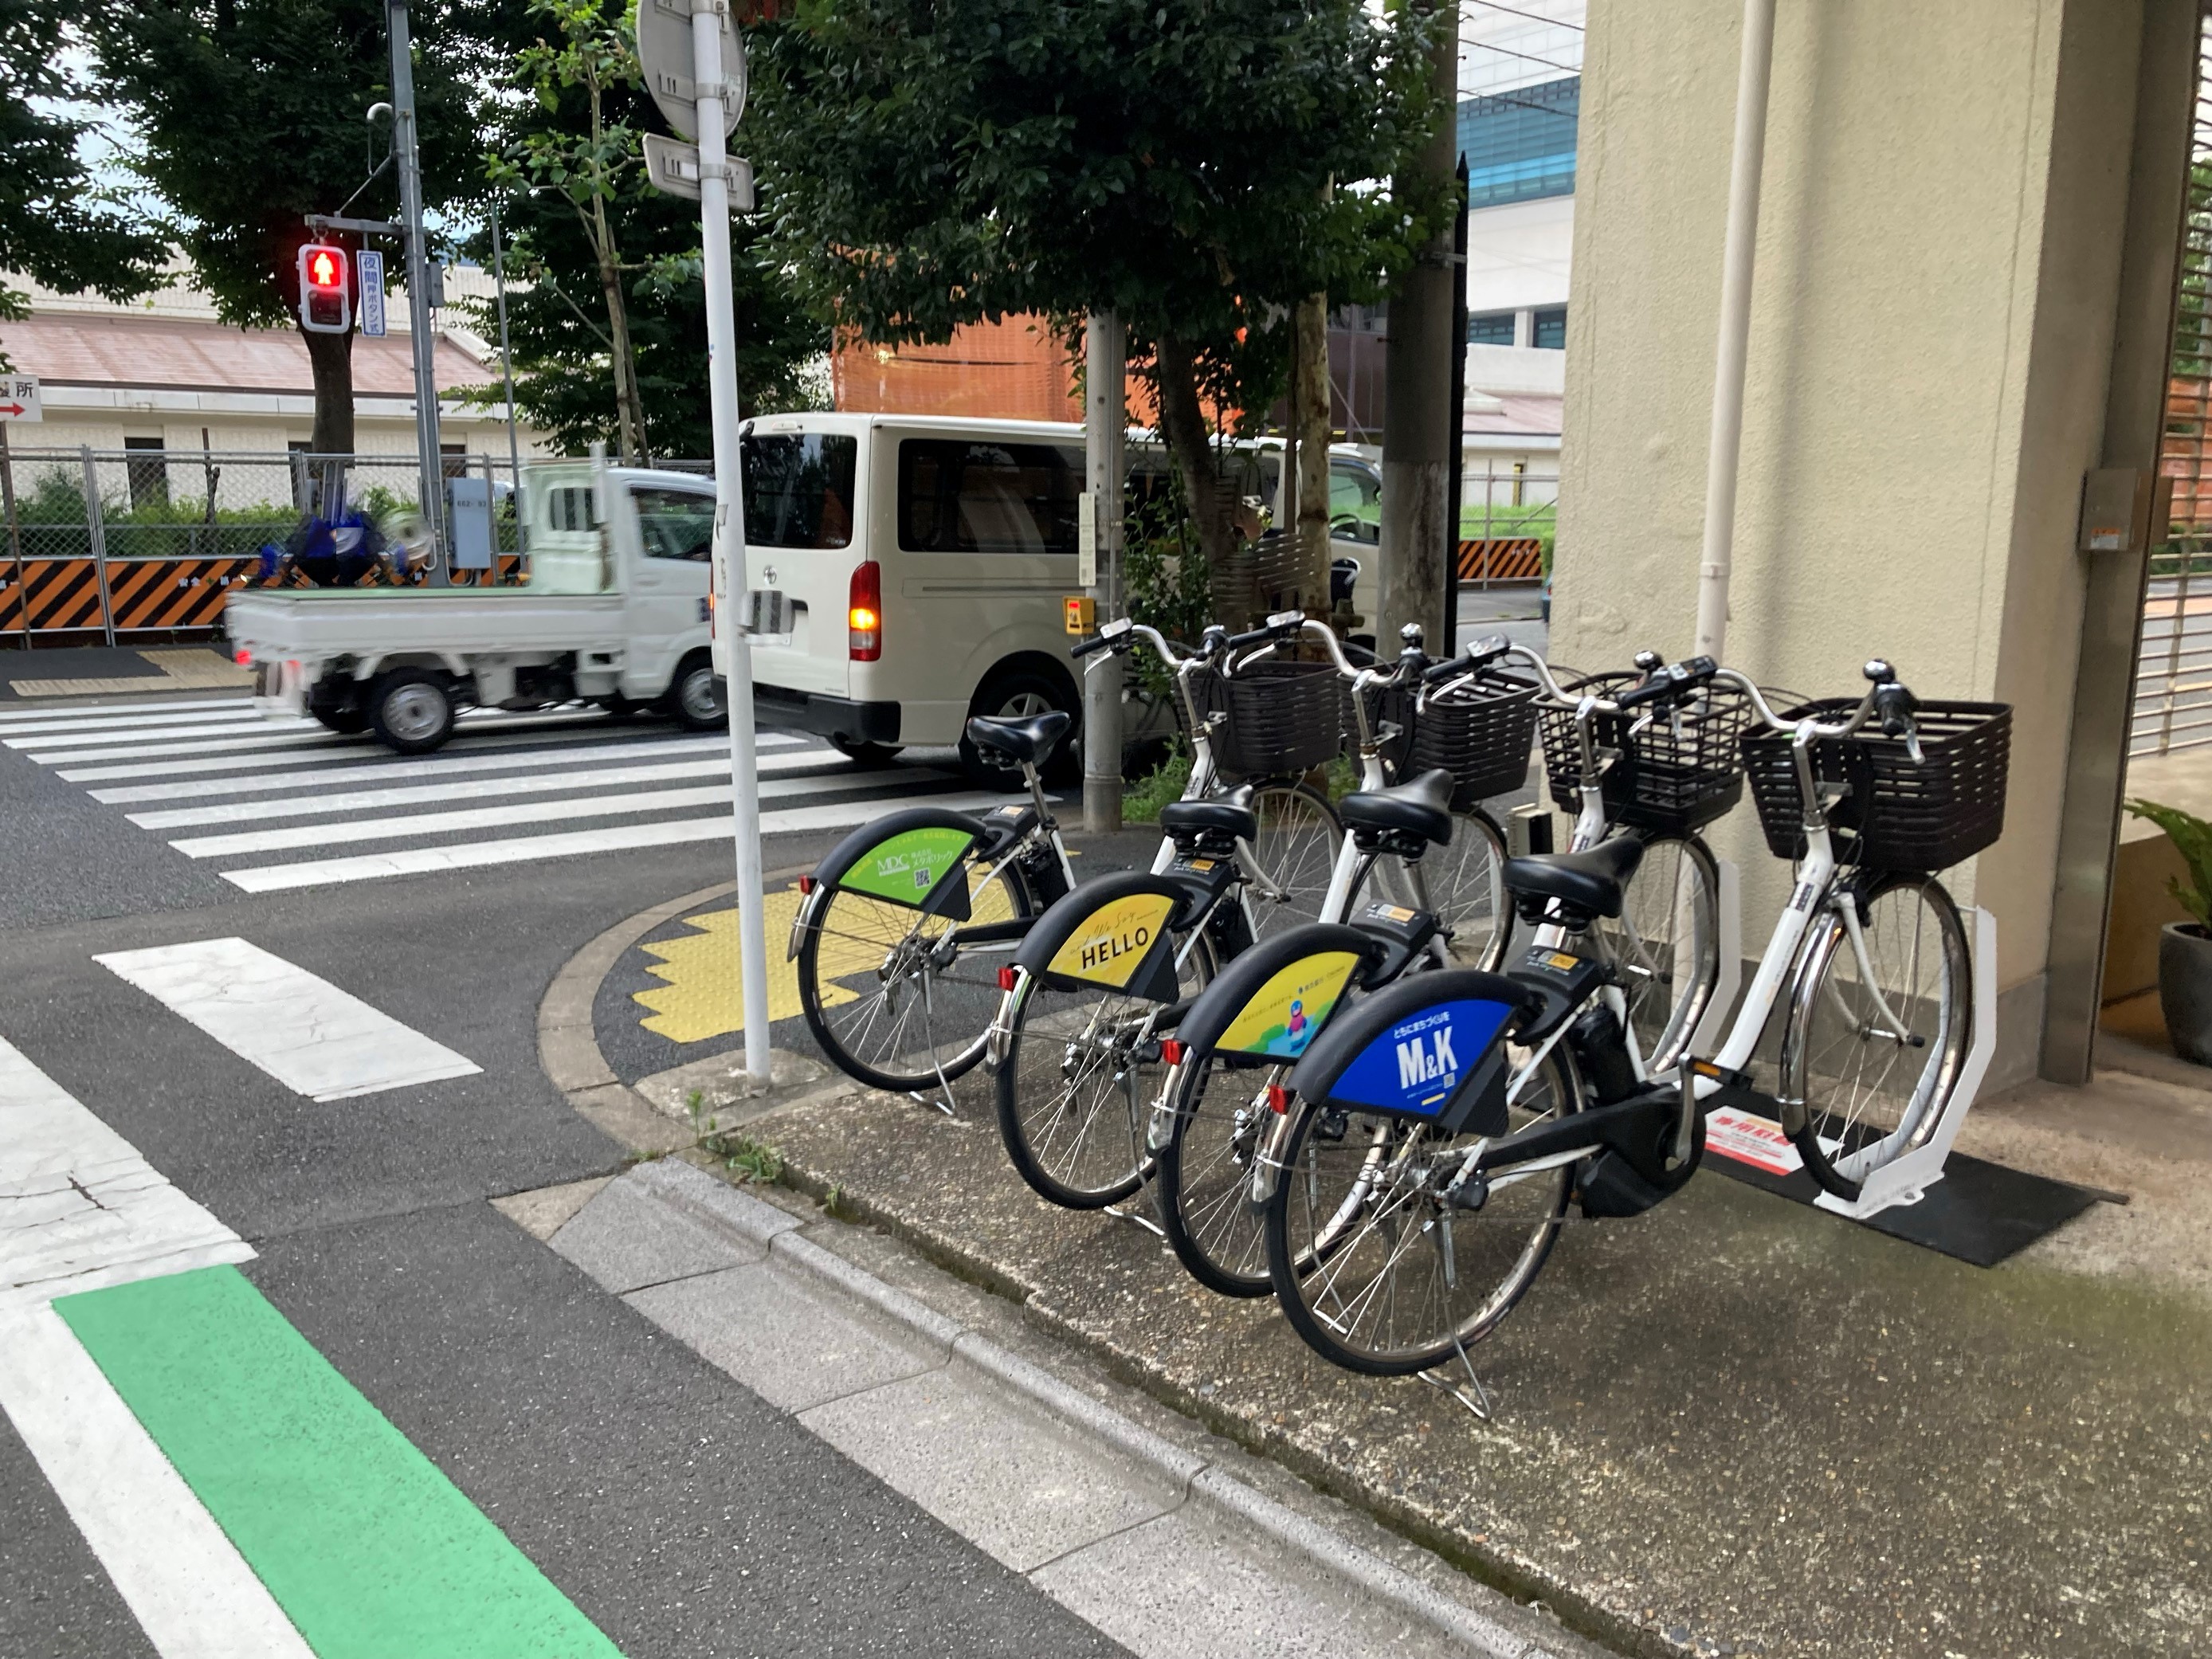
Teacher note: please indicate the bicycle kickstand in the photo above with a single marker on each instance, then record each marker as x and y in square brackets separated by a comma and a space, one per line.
[1480, 1406]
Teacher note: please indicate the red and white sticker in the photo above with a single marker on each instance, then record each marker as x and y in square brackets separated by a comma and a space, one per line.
[1749, 1138]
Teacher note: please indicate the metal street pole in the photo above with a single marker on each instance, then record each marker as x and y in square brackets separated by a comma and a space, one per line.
[428, 460]
[1456, 488]
[729, 517]
[1106, 430]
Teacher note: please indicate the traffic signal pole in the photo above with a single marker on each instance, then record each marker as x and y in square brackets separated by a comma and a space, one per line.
[729, 517]
[428, 461]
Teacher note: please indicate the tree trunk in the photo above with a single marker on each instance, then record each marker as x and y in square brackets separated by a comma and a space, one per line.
[330, 359]
[1213, 505]
[1309, 419]
[630, 413]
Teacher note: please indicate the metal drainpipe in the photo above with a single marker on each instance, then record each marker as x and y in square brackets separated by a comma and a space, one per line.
[1741, 243]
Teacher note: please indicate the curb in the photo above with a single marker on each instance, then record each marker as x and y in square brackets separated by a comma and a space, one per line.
[715, 1204]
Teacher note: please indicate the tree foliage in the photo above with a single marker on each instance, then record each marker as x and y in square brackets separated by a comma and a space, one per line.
[58, 226]
[1198, 165]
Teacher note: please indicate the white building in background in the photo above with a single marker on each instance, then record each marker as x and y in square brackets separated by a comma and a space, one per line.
[1519, 86]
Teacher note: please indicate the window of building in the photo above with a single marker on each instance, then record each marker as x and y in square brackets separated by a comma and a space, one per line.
[1520, 145]
[1551, 330]
[1491, 328]
[955, 496]
[150, 477]
[675, 524]
[798, 488]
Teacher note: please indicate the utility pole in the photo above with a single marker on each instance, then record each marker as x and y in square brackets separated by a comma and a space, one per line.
[1105, 436]
[1454, 494]
[1419, 443]
[429, 462]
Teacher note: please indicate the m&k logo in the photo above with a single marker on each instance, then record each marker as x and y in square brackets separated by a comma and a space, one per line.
[1425, 1057]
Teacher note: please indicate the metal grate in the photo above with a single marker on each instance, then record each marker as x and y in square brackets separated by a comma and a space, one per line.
[2173, 705]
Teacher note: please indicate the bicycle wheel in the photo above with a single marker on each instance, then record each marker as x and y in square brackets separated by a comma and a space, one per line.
[1296, 852]
[1081, 1066]
[1874, 1045]
[892, 999]
[1217, 1116]
[1467, 887]
[1373, 1268]
[1666, 942]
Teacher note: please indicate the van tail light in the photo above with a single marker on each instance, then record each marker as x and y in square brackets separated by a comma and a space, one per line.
[864, 612]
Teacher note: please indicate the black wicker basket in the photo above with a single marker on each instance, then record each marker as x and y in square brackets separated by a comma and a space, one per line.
[1898, 813]
[1481, 733]
[1284, 717]
[1679, 773]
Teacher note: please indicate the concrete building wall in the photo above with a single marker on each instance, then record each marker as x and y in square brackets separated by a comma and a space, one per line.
[1937, 269]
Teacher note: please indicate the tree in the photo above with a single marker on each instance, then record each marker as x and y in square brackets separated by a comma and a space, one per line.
[250, 114]
[58, 225]
[611, 295]
[938, 162]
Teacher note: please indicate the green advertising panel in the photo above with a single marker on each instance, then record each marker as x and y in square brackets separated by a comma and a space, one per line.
[906, 868]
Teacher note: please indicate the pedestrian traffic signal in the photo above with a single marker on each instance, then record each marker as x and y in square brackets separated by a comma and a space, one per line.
[326, 289]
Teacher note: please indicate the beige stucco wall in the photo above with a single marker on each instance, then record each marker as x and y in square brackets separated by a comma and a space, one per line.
[1937, 266]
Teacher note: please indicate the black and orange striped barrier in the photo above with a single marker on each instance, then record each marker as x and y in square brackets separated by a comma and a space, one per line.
[1501, 559]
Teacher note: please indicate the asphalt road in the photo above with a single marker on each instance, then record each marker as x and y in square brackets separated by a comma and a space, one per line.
[677, 1512]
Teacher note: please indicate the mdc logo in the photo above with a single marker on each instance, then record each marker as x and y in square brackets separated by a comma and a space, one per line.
[1426, 1059]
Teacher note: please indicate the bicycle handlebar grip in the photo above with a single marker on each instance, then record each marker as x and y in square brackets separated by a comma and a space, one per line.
[1895, 704]
[1085, 647]
[1257, 636]
[1668, 684]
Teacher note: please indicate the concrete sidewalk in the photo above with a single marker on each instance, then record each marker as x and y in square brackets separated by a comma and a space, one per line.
[1172, 1542]
[1734, 1425]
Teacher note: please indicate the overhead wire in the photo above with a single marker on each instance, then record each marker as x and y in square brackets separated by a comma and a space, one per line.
[1533, 17]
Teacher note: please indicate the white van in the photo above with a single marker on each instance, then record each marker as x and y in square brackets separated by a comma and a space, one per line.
[927, 558]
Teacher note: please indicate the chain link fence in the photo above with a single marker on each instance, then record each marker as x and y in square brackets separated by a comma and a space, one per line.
[145, 542]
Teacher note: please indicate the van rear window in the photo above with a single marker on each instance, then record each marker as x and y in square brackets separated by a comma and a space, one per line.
[955, 495]
[798, 488]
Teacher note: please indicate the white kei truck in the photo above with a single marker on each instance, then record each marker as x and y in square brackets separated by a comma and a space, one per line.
[925, 560]
[616, 611]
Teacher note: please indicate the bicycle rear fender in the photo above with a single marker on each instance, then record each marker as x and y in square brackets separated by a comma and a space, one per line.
[1271, 1002]
[1115, 932]
[916, 858]
[1430, 1048]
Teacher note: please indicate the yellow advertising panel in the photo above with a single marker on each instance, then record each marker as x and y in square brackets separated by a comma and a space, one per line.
[1283, 1015]
[1111, 942]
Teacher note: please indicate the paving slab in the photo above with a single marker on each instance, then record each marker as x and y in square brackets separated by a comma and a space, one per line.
[625, 1240]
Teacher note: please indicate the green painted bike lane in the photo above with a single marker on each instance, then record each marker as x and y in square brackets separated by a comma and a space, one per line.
[366, 1546]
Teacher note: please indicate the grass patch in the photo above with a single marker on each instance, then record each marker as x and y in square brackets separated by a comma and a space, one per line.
[1142, 800]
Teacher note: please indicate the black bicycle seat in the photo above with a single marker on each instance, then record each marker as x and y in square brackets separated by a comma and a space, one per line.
[1588, 881]
[1222, 815]
[1422, 808]
[1027, 738]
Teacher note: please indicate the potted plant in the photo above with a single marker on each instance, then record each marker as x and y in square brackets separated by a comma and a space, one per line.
[2185, 948]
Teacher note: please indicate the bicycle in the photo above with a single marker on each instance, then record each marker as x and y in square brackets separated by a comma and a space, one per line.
[920, 906]
[1433, 1136]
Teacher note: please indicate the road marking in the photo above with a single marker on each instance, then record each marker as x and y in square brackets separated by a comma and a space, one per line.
[495, 818]
[368, 1547]
[311, 1037]
[79, 1207]
[306, 733]
[183, 1580]
[15, 716]
[514, 728]
[153, 734]
[241, 714]
[418, 860]
[489, 754]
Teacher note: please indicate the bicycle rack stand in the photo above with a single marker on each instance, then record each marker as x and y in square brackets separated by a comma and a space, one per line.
[1713, 1024]
[1907, 1181]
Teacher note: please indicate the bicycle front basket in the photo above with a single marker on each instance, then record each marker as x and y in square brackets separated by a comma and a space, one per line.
[1897, 813]
[1481, 733]
[1284, 717]
[1677, 774]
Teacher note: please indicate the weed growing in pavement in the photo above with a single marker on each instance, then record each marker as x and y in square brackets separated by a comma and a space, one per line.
[751, 1159]
[1142, 800]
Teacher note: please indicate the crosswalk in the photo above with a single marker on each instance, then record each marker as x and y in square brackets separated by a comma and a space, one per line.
[274, 805]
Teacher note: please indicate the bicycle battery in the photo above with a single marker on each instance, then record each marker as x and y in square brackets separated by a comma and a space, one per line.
[1430, 1048]
[1559, 982]
[1403, 934]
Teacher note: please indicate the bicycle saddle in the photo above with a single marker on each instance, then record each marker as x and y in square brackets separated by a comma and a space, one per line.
[1030, 738]
[1422, 807]
[1224, 815]
[1588, 881]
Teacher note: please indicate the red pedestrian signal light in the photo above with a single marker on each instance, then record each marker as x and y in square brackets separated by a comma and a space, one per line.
[326, 289]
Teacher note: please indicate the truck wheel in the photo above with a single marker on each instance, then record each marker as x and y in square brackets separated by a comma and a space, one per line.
[1017, 693]
[695, 697]
[346, 720]
[412, 709]
[866, 754]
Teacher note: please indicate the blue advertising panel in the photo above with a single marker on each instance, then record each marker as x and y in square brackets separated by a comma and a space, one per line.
[1416, 1066]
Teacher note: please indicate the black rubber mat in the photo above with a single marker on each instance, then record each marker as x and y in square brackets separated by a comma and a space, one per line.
[1979, 1212]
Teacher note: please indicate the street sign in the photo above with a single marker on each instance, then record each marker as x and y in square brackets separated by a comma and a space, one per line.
[664, 52]
[19, 400]
[672, 167]
[370, 265]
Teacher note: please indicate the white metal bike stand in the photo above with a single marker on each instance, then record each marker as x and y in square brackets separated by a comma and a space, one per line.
[1729, 919]
[1907, 1179]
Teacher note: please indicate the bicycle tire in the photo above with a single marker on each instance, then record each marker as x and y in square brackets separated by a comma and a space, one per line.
[1855, 1120]
[1204, 1175]
[1466, 888]
[1309, 1259]
[1669, 982]
[1288, 853]
[865, 927]
[1060, 1132]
